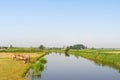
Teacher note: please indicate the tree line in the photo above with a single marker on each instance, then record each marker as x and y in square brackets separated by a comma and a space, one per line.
[78, 46]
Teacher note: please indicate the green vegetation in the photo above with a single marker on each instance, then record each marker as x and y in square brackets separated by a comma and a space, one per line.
[38, 67]
[104, 56]
[41, 47]
[66, 50]
[16, 70]
[99, 56]
[22, 50]
[43, 60]
[78, 46]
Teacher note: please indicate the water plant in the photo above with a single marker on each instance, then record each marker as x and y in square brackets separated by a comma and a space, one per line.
[43, 60]
[38, 67]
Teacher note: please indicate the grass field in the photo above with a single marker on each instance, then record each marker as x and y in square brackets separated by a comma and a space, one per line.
[15, 70]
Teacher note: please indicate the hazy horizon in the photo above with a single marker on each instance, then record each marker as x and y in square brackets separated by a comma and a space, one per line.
[25, 23]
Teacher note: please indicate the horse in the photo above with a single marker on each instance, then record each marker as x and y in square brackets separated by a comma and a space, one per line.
[26, 58]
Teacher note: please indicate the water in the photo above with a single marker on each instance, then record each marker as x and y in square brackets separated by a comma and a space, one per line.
[61, 67]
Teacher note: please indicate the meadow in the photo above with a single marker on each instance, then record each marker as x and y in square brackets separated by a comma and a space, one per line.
[16, 70]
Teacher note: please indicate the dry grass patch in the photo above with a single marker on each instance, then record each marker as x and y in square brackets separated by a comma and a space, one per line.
[14, 70]
[113, 52]
[8, 55]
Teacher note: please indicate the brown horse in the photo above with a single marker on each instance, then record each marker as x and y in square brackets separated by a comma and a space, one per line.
[13, 56]
[18, 57]
[26, 58]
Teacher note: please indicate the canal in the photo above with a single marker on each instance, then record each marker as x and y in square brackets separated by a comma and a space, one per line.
[69, 67]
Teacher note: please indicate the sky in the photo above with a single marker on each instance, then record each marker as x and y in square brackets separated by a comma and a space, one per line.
[58, 23]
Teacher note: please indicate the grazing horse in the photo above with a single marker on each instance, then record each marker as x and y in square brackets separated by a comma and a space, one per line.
[13, 56]
[18, 57]
[26, 58]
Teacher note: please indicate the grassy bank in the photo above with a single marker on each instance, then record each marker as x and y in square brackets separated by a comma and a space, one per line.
[23, 50]
[15, 70]
[111, 58]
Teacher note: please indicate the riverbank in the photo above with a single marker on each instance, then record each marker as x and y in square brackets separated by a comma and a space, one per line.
[109, 57]
[16, 70]
[100, 57]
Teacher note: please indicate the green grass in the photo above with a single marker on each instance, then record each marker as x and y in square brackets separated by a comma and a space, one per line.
[43, 60]
[38, 67]
[23, 50]
[101, 56]
[16, 70]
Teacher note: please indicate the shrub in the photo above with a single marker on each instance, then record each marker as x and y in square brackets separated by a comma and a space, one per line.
[43, 60]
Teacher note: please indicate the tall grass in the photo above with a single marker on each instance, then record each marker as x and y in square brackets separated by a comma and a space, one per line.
[43, 60]
[38, 67]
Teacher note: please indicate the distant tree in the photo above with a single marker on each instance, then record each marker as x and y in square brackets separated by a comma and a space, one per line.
[11, 46]
[78, 46]
[42, 47]
[93, 48]
[67, 49]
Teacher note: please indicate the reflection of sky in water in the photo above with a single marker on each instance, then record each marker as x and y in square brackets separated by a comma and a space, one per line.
[60, 67]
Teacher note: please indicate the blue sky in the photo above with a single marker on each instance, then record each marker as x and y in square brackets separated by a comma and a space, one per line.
[25, 23]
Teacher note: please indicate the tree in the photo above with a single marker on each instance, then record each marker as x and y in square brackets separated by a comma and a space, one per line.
[67, 49]
[11, 46]
[41, 47]
[78, 46]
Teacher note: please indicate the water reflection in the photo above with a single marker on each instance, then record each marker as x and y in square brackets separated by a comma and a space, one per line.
[67, 54]
[62, 66]
[77, 56]
[111, 65]
[102, 63]
[66, 50]
[36, 70]
[28, 75]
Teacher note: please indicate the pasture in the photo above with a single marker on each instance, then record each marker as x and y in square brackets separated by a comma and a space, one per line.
[15, 70]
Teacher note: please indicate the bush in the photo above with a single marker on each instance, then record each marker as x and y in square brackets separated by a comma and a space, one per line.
[37, 68]
[43, 60]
